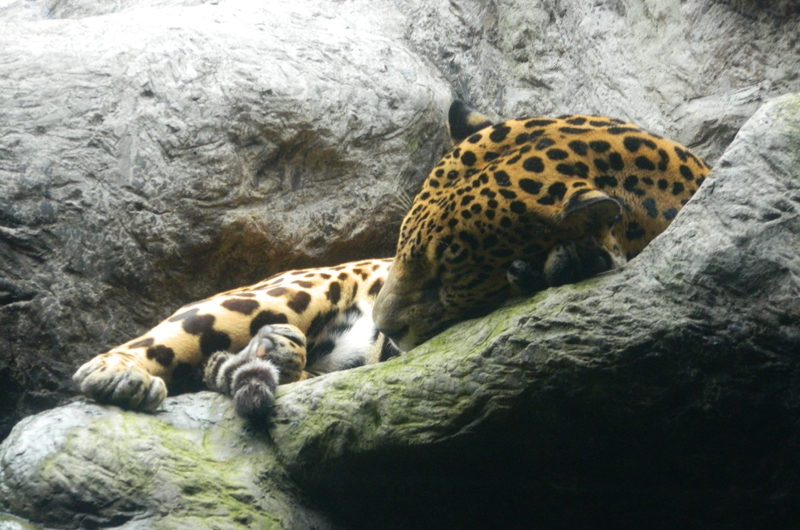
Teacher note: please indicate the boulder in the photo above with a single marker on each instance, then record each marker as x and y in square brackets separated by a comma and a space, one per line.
[196, 464]
[661, 395]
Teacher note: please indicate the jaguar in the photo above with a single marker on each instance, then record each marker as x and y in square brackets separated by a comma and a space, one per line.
[514, 207]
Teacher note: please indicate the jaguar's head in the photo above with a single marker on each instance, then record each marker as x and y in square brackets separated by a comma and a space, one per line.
[486, 206]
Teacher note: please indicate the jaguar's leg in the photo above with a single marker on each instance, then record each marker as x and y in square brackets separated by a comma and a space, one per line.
[135, 375]
[573, 261]
[525, 277]
[276, 354]
[567, 262]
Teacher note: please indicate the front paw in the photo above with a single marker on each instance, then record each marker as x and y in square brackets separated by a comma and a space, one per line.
[284, 346]
[276, 354]
[114, 379]
[249, 379]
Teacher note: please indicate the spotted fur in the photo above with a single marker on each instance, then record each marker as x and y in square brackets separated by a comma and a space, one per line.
[294, 325]
[528, 204]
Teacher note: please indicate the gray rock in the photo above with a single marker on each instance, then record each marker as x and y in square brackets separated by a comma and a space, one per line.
[663, 395]
[195, 464]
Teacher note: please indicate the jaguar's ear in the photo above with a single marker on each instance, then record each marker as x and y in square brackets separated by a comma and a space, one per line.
[587, 211]
[462, 122]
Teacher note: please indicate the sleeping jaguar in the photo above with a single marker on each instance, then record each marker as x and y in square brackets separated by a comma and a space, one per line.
[514, 207]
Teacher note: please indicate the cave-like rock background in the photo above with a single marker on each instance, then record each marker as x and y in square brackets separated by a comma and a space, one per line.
[155, 152]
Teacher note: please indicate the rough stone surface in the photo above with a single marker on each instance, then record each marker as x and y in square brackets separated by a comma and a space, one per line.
[663, 395]
[153, 152]
[194, 465]
[693, 71]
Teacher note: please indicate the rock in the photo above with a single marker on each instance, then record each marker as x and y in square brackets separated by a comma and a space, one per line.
[194, 465]
[662, 395]
[156, 151]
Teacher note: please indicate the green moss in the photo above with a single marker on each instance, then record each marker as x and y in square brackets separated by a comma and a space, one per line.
[412, 143]
[11, 522]
[476, 333]
[790, 114]
[790, 106]
[147, 464]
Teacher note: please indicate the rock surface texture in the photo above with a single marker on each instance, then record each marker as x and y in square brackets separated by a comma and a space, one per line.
[663, 395]
[155, 156]
[153, 152]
